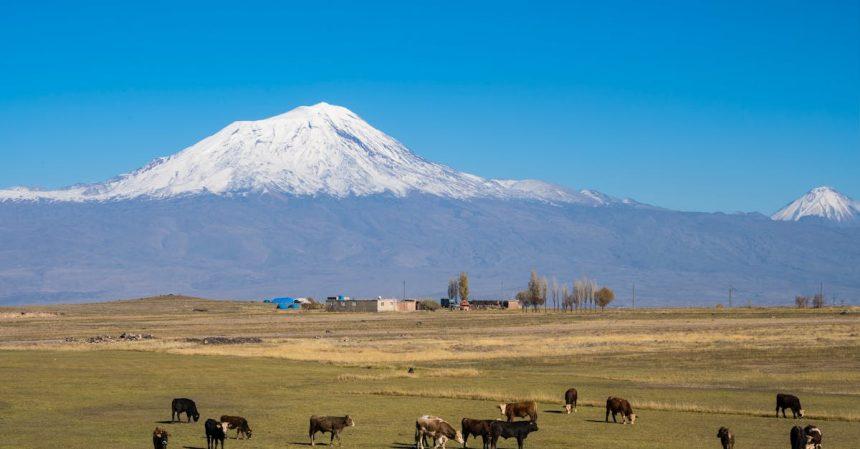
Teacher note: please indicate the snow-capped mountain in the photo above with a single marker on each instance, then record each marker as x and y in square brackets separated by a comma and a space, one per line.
[823, 203]
[309, 151]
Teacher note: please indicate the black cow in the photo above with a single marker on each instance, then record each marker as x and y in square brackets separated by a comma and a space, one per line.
[159, 438]
[727, 438]
[477, 428]
[331, 424]
[519, 430]
[215, 432]
[570, 400]
[808, 437]
[183, 405]
[788, 401]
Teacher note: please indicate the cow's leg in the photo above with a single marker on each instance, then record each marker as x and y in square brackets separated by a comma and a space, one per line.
[519, 442]
[613, 418]
[312, 437]
[466, 439]
[331, 440]
[777, 411]
[607, 415]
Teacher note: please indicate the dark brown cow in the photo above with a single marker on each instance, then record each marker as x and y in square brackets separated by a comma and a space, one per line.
[331, 424]
[519, 410]
[788, 401]
[239, 423]
[159, 438]
[617, 405]
[478, 428]
[570, 400]
[727, 438]
[437, 428]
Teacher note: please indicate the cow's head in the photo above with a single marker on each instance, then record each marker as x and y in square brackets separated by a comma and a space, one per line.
[459, 437]
[723, 432]
[349, 421]
[224, 426]
[568, 408]
[195, 416]
[248, 433]
[533, 426]
[632, 418]
[800, 413]
[502, 408]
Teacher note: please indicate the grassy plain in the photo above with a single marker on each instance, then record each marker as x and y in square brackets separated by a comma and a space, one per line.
[686, 372]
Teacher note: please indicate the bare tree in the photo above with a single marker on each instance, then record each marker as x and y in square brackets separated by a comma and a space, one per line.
[544, 287]
[583, 292]
[554, 294]
[604, 296]
[463, 287]
[818, 301]
[453, 290]
[801, 301]
[566, 299]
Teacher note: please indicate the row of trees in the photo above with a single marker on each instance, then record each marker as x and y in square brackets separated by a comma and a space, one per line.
[584, 294]
[803, 302]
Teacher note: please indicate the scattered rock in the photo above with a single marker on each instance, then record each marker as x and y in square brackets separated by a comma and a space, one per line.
[125, 336]
[225, 340]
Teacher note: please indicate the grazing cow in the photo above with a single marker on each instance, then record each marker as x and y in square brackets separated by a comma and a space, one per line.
[519, 410]
[159, 438]
[239, 423]
[436, 428]
[478, 428]
[183, 405]
[215, 432]
[617, 405]
[570, 400]
[788, 401]
[332, 424]
[519, 430]
[726, 437]
[808, 437]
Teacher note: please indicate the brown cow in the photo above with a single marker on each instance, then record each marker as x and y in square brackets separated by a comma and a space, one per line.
[159, 438]
[788, 401]
[570, 400]
[331, 424]
[617, 405]
[239, 423]
[727, 438]
[436, 428]
[519, 410]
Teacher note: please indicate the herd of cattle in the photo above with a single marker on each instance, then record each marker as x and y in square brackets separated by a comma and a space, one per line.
[438, 430]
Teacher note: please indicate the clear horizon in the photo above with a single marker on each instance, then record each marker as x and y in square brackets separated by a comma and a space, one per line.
[720, 107]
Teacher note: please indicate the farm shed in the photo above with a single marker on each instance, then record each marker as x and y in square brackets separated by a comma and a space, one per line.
[372, 305]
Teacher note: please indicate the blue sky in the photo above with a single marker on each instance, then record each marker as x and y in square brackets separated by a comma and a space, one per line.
[689, 105]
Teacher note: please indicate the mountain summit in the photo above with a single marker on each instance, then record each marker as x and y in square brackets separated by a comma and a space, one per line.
[312, 150]
[821, 202]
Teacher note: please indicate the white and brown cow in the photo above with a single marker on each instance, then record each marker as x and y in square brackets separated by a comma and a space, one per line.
[437, 428]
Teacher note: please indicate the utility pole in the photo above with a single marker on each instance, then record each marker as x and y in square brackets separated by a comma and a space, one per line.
[731, 290]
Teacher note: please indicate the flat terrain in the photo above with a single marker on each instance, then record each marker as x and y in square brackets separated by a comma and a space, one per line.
[686, 372]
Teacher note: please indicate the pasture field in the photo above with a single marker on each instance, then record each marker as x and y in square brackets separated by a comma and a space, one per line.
[686, 372]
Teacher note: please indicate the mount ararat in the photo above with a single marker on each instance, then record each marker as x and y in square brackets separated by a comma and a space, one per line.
[318, 202]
